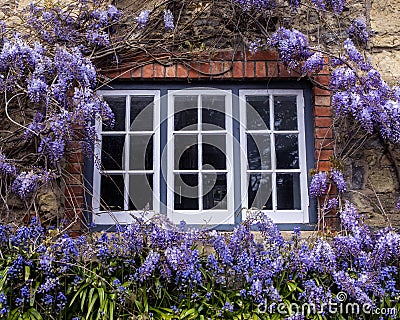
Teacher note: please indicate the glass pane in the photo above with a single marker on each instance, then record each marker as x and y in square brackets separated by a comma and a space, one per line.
[260, 191]
[142, 109]
[118, 106]
[186, 151]
[141, 152]
[214, 152]
[186, 113]
[257, 112]
[213, 112]
[287, 151]
[112, 192]
[285, 110]
[214, 190]
[288, 191]
[186, 195]
[112, 152]
[141, 192]
[259, 151]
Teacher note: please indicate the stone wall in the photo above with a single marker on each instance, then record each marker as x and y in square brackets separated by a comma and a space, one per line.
[373, 169]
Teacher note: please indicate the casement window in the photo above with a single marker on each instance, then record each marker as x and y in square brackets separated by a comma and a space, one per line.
[202, 155]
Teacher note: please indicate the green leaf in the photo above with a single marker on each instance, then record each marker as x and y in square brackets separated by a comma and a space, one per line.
[35, 314]
[101, 295]
[27, 272]
[92, 301]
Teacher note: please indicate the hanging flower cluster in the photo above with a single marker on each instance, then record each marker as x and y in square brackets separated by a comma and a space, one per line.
[53, 71]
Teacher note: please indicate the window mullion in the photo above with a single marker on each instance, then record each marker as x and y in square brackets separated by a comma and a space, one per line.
[200, 152]
[273, 153]
[126, 153]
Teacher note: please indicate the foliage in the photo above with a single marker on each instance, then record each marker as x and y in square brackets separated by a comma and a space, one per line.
[152, 269]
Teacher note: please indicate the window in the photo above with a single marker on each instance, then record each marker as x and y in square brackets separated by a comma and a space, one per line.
[201, 155]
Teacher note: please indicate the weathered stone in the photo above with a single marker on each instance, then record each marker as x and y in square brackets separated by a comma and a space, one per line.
[382, 180]
[357, 181]
[385, 16]
[388, 63]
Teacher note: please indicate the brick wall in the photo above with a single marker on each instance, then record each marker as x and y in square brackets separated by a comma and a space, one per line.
[222, 66]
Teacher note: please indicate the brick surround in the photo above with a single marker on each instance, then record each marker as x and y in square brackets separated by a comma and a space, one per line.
[222, 66]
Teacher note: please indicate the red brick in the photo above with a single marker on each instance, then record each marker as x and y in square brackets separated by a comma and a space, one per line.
[74, 202]
[323, 155]
[262, 55]
[272, 69]
[159, 70]
[323, 80]
[113, 74]
[217, 69]
[323, 133]
[74, 167]
[193, 71]
[76, 157]
[136, 73]
[322, 100]
[249, 70]
[238, 69]
[323, 165]
[205, 68]
[73, 179]
[284, 72]
[170, 72]
[182, 71]
[261, 70]
[323, 122]
[323, 144]
[228, 70]
[320, 111]
[320, 92]
[126, 74]
[148, 71]
[72, 191]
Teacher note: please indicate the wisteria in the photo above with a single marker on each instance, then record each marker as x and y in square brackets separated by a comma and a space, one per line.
[319, 184]
[169, 20]
[143, 18]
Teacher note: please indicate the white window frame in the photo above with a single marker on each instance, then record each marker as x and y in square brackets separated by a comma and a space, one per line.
[278, 216]
[126, 216]
[201, 216]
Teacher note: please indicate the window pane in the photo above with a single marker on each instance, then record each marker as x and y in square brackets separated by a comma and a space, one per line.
[260, 191]
[285, 110]
[214, 152]
[186, 195]
[186, 152]
[186, 113]
[213, 112]
[142, 109]
[259, 151]
[257, 112]
[288, 191]
[112, 192]
[118, 106]
[287, 151]
[112, 152]
[214, 190]
[141, 152]
[141, 192]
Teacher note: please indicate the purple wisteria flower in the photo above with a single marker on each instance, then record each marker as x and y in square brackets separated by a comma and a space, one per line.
[169, 20]
[314, 63]
[254, 45]
[319, 184]
[6, 167]
[143, 18]
[338, 179]
[292, 45]
[358, 31]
